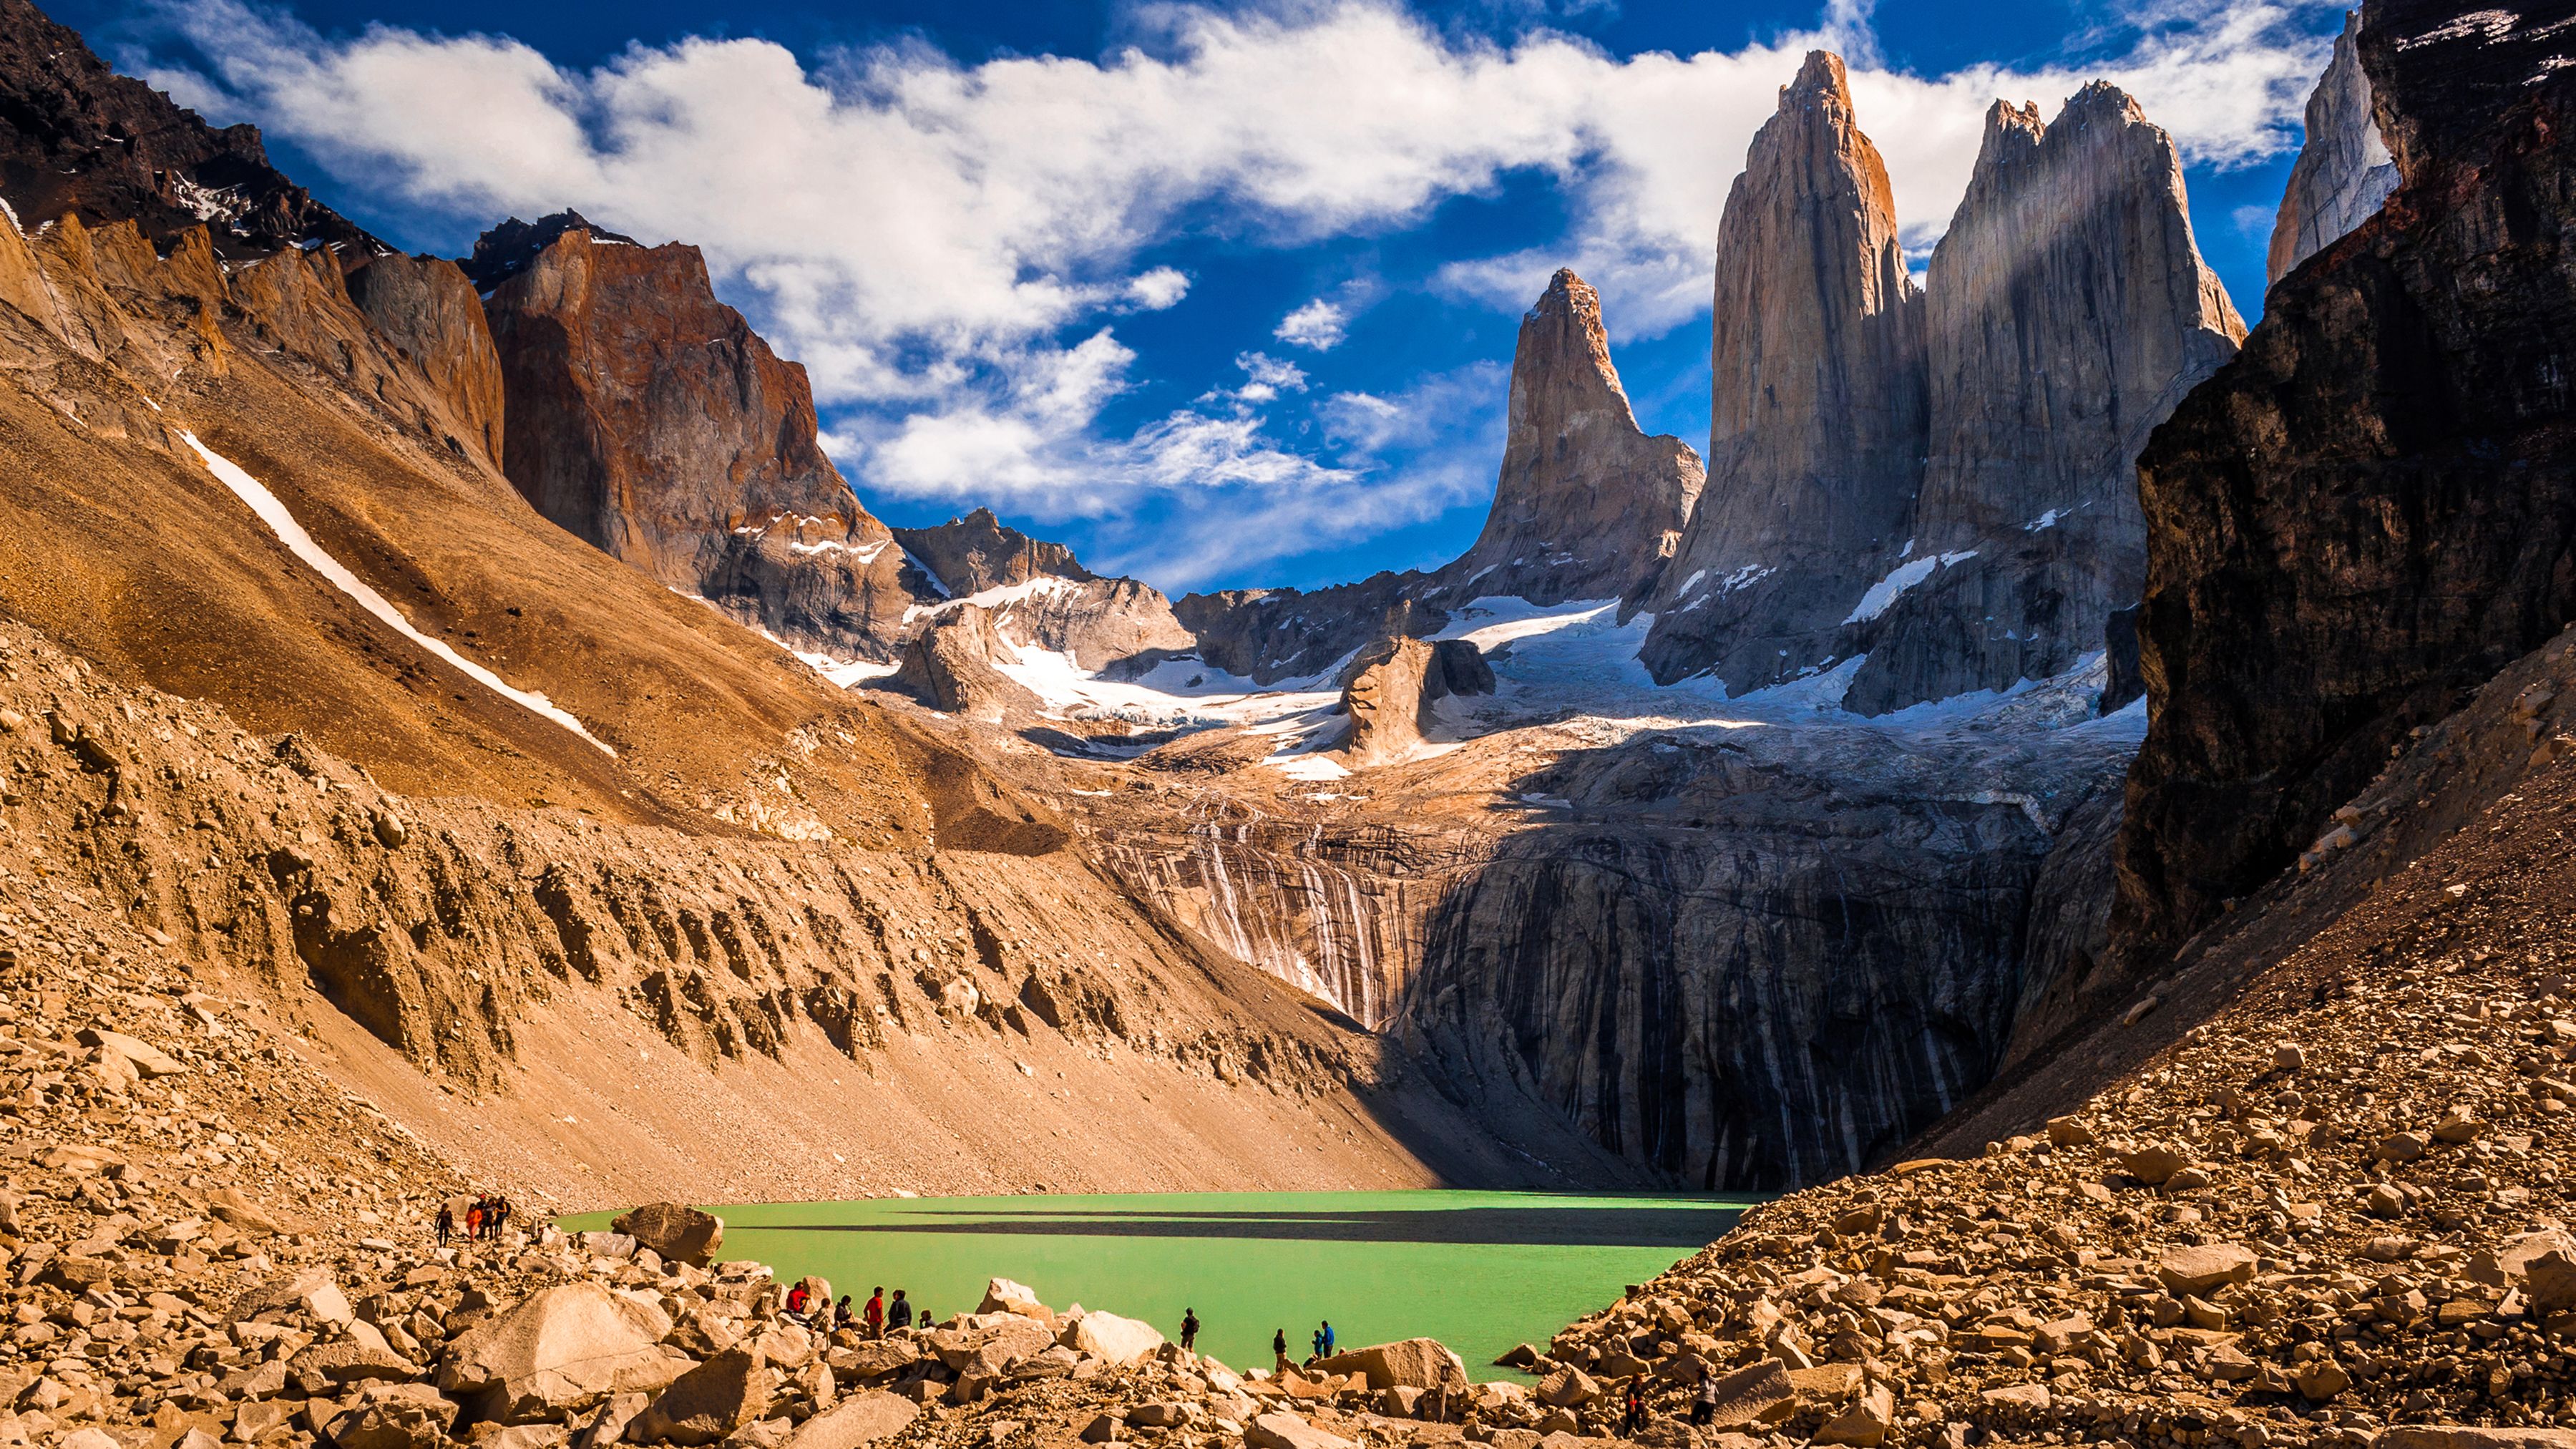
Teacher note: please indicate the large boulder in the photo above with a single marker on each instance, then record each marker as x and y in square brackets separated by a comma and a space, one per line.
[856, 1420]
[1390, 687]
[1412, 1363]
[565, 1347]
[2204, 1270]
[1280, 1429]
[679, 1234]
[954, 665]
[708, 1402]
[1112, 1339]
[991, 1343]
[312, 1290]
[392, 1416]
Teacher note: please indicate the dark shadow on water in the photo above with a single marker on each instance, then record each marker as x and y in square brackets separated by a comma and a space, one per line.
[1598, 1227]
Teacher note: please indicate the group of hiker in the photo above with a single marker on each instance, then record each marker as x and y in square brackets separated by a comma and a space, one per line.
[485, 1216]
[874, 1319]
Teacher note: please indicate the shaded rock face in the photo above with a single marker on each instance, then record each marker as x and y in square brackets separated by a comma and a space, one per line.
[1791, 958]
[649, 419]
[2343, 172]
[1587, 506]
[1267, 635]
[1816, 405]
[427, 309]
[78, 139]
[2068, 311]
[1391, 687]
[949, 665]
[2373, 508]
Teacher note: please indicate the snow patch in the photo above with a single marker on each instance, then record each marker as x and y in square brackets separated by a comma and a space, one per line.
[300, 543]
[1905, 576]
[2045, 520]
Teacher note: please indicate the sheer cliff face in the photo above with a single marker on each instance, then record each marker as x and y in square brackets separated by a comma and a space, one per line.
[427, 308]
[1817, 405]
[649, 419]
[2374, 507]
[2068, 311]
[2343, 172]
[1588, 506]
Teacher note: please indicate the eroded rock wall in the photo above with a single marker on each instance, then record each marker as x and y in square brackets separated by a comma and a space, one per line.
[2067, 312]
[2373, 509]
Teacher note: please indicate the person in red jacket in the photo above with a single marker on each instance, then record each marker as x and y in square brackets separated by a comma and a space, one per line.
[876, 1313]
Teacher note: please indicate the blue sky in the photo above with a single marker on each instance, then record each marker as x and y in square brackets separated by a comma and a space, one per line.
[1221, 295]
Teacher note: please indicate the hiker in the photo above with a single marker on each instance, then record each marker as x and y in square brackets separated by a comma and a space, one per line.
[899, 1312]
[1632, 1420]
[1324, 1339]
[1704, 1404]
[876, 1313]
[1435, 1410]
[446, 1224]
[797, 1297]
[474, 1219]
[1189, 1329]
[1279, 1350]
[500, 1216]
[841, 1317]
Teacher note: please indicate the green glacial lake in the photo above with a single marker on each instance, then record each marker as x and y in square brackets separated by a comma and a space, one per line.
[1479, 1271]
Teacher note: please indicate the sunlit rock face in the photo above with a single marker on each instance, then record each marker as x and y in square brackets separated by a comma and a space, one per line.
[648, 418]
[2343, 172]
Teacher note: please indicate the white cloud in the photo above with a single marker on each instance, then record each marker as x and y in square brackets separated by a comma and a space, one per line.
[1267, 377]
[1317, 325]
[1158, 289]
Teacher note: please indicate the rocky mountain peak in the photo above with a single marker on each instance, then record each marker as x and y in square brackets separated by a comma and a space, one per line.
[1562, 337]
[2343, 172]
[509, 248]
[80, 139]
[1587, 505]
[650, 419]
[978, 552]
[2072, 244]
[1816, 398]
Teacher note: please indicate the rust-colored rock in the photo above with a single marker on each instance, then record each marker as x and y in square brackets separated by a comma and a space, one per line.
[428, 310]
[649, 419]
[1392, 687]
[951, 665]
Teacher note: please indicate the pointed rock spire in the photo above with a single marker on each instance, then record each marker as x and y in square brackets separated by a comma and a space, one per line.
[2343, 172]
[1816, 399]
[1587, 505]
[2067, 310]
